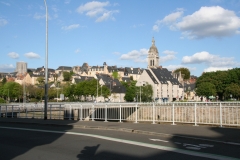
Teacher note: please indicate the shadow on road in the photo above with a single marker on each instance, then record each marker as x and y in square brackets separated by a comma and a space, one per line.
[12, 146]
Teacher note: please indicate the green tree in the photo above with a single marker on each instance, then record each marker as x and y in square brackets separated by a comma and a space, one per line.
[40, 80]
[68, 91]
[130, 90]
[66, 76]
[233, 89]
[4, 80]
[147, 93]
[12, 90]
[184, 71]
[115, 75]
[206, 89]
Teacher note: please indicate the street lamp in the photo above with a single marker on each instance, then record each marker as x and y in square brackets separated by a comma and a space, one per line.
[46, 65]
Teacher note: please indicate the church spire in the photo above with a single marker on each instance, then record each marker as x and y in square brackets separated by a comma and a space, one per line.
[153, 41]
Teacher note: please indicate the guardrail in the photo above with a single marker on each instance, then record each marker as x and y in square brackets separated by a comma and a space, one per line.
[218, 113]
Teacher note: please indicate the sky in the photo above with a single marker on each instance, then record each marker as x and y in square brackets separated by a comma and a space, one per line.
[202, 36]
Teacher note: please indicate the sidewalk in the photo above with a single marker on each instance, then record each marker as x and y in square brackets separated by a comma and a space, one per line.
[223, 135]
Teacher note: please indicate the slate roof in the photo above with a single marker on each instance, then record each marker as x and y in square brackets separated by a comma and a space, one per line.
[164, 75]
[126, 79]
[160, 75]
[64, 68]
[151, 76]
[133, 70]
[189, 87]
[118, 89]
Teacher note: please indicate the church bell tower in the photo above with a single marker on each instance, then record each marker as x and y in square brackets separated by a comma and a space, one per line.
[153, 57]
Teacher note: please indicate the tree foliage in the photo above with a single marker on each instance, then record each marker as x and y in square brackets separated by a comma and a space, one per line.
[206, 89]
[40, 80]
[184, 71]
[66, 76]
[224, 82]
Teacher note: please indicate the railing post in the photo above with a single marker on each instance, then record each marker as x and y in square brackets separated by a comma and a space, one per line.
[136, 114]
[153, 116]
[81, 117]
[173, 114]
[33, 111]
[6, 115]
[92, 112]
[50, 111]
[0, 111]
[120, 114]
[12, 111]
[26, 112]
[220, 114]
[195, 114]
[18, 112]
[70, 112]
[59, 111]
[105, 113]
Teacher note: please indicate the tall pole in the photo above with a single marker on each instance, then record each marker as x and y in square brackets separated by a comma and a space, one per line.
[46, 66]
[97, 90]
[140, 91]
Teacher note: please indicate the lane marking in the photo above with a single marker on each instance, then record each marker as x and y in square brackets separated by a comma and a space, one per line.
[171, 149]
[194, 148]
[158, 140]
[185, 144]
[206, 145]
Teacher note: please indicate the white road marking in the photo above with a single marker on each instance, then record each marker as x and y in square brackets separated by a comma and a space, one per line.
[158, 140]
[206, 145]
[185, 144]
[194, 148]
[171, 149]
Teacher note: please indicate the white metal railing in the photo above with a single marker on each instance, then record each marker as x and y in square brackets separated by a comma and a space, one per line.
[222, 114]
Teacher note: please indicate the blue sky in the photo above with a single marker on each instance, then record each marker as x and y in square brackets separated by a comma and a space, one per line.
[199, 35]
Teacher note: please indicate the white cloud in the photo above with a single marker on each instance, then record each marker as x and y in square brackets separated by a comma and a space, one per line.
[55, 9]
[7, 68]
[13, 55]
[32, 55]
[168, 20]
[169, 52]
[135, 55]
[171, 18]
[39, 16]
[73, 26]
[214, 62]
[5, 3]
[77, 50]
[212, 21]
[156, 28]
[98, 10]
[106, 16]
[167, 58]
[172, 67]
[67, 1]
[200, 57]
[116, 53]
[214, 69]
[3, 21]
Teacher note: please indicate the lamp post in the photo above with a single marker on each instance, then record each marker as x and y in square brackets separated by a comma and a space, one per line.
[46, 65]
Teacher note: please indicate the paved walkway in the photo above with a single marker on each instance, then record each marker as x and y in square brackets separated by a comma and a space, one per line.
[222, 135]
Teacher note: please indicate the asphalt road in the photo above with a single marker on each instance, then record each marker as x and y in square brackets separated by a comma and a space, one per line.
[28, 141]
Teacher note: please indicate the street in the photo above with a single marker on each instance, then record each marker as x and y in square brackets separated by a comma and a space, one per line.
[28, 141]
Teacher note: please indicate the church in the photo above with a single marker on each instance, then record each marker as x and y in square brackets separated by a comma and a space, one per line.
[165, 84]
